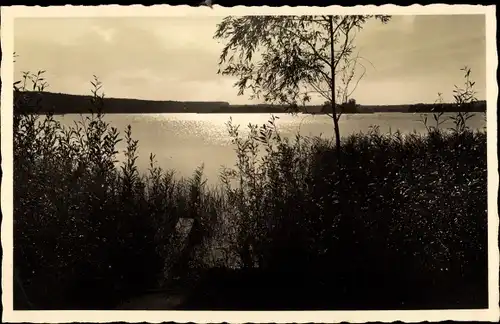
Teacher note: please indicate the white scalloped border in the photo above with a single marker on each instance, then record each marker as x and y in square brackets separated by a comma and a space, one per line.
[8, 14]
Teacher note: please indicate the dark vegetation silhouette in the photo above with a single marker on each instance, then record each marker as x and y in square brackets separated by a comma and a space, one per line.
[92, 233]
[62, 103]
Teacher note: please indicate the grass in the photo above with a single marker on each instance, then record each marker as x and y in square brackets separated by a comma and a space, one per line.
[400, 223]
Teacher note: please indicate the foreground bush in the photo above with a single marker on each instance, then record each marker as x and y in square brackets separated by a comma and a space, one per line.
[404, 215]
[399, 215]
[87, 233]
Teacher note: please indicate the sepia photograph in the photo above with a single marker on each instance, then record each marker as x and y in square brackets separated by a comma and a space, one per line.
[278, 160]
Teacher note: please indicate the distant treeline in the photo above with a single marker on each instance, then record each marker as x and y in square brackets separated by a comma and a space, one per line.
[59, 103]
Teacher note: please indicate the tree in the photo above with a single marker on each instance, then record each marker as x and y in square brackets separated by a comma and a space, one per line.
[350, 106]
[286, 59]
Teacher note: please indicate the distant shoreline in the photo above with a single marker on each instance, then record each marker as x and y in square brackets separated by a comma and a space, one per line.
[61, 104]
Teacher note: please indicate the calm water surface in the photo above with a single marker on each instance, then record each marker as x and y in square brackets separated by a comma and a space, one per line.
[184, 141]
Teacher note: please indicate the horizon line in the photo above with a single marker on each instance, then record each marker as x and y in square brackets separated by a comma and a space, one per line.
[242, 104]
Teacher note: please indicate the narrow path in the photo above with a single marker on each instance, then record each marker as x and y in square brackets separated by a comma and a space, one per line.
[153, 301]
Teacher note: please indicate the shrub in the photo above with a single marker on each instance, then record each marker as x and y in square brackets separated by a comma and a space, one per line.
[416, 203]
[86, 232]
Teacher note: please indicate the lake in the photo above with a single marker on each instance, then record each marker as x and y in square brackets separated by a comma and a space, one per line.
[184, 141]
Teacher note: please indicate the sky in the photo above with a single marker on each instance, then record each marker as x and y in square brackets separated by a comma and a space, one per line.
[176, 58]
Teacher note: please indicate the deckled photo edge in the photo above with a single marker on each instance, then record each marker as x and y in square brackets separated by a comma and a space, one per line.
[8, 16]
[492, 158]
[7, 68]
[184, 10]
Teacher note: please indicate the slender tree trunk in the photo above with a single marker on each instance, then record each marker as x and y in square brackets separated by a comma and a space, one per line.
[332, 89]
[345, 227]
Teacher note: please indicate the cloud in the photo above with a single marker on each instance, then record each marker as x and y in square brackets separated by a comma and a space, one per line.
[126, 46]
[437, 47]
[107, 34]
